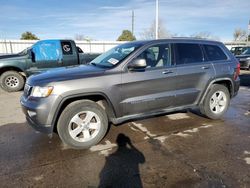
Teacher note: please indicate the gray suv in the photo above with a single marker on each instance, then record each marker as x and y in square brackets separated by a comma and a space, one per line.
[133, 80]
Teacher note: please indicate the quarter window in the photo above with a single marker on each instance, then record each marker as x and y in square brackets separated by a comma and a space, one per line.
[188, 53]
[214, 53]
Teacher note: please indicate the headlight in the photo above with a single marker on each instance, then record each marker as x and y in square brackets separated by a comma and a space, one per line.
[248, 58]
[41, 91]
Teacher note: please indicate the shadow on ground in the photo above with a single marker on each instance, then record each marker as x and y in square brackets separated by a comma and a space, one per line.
[121, 168]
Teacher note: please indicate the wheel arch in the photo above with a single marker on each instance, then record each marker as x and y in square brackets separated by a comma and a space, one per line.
[227, 82]
[98, 97]
[12, 68]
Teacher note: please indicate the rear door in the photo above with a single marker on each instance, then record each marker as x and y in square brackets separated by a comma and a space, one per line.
[194, 73]
[153, 88]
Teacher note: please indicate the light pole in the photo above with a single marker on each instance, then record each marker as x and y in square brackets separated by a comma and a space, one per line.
[157, 19]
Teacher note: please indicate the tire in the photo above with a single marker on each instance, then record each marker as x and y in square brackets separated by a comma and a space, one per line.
[76, 130]
[216, 102]
[12, 81]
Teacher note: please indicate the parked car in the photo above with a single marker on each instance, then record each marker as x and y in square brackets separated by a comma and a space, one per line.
[133, 80]
[43, 55]
[238, 50]
[244, 59]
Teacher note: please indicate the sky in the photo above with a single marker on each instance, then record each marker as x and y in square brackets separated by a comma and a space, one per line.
[105, 19]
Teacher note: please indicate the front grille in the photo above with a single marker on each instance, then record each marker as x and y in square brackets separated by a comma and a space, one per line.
[27, 90]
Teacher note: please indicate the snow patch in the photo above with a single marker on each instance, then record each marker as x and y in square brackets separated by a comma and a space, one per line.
[38, 178]
[64, 146]
[178, 116]
[182, 134]
[247, 159]
[206, 126]
[161, 138]
[133, 128]
[103, 148]
[194, 130]
[247, 152]
[247, 113]
[143, 129]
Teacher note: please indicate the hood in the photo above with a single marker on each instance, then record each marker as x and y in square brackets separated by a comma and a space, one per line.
[65, 73]
[9, 56]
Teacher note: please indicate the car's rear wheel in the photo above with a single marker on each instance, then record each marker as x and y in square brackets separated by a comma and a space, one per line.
[216, 102]
[11, 81]
[82, 124]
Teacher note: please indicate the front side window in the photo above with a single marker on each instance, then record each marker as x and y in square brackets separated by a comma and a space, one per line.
[47, 51]
[188, 53]
[114, 56]
[157, 56]
[214, 53]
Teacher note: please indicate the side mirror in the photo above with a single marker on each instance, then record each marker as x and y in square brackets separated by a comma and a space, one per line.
[137, 64]
[33, 56]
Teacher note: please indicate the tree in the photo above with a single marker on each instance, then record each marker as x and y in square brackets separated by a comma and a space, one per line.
[29, 36]
[82, 37]
[240, 34]
[126, 36]
[150, 32]
[204, 35]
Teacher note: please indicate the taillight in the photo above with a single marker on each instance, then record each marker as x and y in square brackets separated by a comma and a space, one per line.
[237, 71]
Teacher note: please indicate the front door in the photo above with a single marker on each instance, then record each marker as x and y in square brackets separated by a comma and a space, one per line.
[46, 55]
[153, 88]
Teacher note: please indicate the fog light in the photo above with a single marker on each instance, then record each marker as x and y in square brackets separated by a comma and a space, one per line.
[31, 113]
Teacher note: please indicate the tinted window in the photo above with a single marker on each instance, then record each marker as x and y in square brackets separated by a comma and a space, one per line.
[214, 53]
[47, 51]
[157, 56]
[188, 53]
[67, 48]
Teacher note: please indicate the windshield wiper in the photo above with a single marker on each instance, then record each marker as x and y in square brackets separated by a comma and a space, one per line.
[93, 63]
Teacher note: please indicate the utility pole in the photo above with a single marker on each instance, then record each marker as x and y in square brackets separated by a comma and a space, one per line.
[133, 21]
[248, 29]
[157, 19]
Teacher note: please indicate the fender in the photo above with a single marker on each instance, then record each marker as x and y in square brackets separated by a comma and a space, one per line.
[210, 85]
[80, 96]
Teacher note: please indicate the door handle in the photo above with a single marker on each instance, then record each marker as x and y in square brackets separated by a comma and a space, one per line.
[205, 67]
[167, 72]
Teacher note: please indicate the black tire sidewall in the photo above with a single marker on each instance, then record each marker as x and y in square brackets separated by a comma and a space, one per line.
[206, 105]
[70, 111]
[15, 74]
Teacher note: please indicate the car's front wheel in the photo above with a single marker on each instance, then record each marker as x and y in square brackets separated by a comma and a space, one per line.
[82, 124]
[216, 102]
[11, 81]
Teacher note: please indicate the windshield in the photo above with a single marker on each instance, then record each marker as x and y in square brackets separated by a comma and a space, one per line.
[246, 52]
[114, 56]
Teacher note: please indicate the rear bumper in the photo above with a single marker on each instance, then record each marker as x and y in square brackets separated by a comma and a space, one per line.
[245, 64]
[236, 87]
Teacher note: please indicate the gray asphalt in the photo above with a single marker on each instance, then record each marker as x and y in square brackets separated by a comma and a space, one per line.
[180, 149]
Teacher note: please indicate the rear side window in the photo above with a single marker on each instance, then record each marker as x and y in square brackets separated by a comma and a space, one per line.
[214, 53]
[67, 48]
[188, 53]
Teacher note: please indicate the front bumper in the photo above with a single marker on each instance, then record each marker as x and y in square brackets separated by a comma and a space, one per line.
[39, 112]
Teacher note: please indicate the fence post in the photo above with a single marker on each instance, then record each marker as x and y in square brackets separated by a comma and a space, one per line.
[11, 49]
